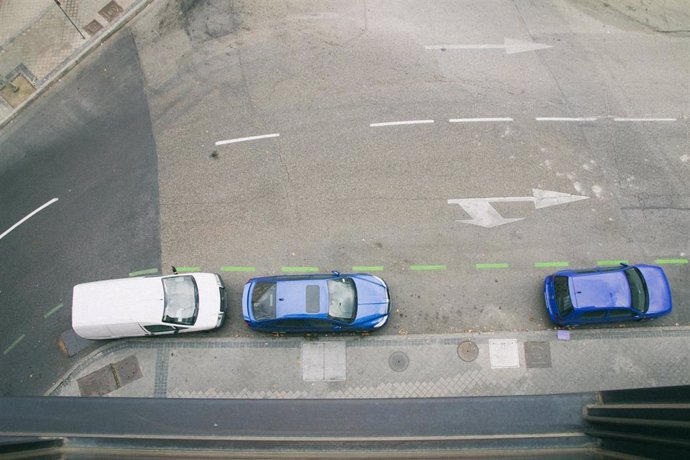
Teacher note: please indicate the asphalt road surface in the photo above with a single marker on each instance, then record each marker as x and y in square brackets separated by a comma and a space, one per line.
[88, 143]
[460, 150]
[365, 136]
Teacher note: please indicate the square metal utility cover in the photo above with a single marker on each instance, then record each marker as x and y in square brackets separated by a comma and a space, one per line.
[324, 362]
[111, 377]
[93, 27]
[537, 354]
[503, 353]
[111, 11]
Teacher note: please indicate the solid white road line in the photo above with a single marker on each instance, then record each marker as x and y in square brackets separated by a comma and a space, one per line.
[566, 119]
[475, 120]
[396, 123]
[243, 139]
[29, 216]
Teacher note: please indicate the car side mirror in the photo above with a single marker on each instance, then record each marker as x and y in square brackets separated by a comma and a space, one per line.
[174, 269]
[623, 264]
[335, 273]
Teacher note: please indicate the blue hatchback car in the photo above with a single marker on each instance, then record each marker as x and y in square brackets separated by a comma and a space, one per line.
[316, 303]
[607, 295]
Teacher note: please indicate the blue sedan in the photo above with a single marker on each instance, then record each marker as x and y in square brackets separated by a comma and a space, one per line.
[607, 295]
[316, 303]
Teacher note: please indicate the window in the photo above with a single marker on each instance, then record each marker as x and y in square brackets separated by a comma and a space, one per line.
[159, 329]
[181, 300]
[638, 289]
[342, 299]
[595, 314]
[264, 300]
[289, 324]
[563, 301]
[620, 313]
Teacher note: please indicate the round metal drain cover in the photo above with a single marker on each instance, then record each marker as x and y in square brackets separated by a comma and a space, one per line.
[468, 351]
[398, 361]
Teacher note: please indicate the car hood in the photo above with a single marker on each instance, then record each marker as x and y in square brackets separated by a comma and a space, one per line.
[602, 289]
[372, 295]
[658, 288]
[209, 300]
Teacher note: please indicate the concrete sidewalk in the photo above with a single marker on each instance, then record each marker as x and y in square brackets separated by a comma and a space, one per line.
[41, 40]
[487, 364]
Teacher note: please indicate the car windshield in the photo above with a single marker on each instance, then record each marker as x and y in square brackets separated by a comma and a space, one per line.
[563, 301]
[181, 300]
[342, 299]
[639, 299]
[264, 301]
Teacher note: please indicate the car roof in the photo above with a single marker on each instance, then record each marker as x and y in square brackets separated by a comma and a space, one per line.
[308, 297]
[119, 301]
[605, 289]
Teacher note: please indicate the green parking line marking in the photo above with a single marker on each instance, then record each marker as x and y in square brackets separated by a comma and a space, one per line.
[148, 271]
[367, 268]
[427, 267]
[550, 264]
[300, 269]
[14, 344]
[489, 266]
[53, 310]
[671, 261]
[236, 268]
[608, 263]
[188, 269]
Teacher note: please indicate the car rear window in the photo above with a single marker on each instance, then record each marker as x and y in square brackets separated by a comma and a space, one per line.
[181, 300]
[264, 300]
[563, 300]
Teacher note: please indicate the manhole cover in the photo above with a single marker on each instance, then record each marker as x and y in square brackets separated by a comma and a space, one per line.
[468, 351]
[398, 361]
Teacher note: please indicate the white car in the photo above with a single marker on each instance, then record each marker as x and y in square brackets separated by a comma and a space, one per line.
[149, 305]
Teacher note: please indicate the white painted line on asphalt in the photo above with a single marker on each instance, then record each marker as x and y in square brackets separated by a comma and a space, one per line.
[251, 138]
[566, 118]
[476, 120]
[397, 123]
[644, 119]
[29, 216]
[511, 46]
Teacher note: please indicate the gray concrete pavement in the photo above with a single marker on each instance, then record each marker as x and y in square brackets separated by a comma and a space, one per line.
[40, 40]
[413, 366]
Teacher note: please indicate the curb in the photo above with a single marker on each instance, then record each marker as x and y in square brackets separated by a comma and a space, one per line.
[74, 60]
[396, 340]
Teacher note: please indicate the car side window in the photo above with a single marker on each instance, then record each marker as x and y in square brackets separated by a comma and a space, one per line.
[593, 314]
[288, 323]
[159, 329]
[620, 313]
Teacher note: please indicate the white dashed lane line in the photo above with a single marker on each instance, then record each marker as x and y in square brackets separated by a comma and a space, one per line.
[244, 139]
[644, 119]
[510, 119]
[397, 123]
[29, 216]
[566, 118]
[477, 120]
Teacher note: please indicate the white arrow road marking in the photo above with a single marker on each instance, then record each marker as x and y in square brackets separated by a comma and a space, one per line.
[510, 45]
[485, 215]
